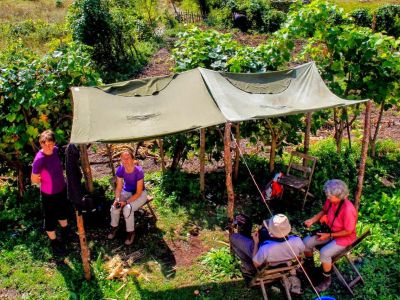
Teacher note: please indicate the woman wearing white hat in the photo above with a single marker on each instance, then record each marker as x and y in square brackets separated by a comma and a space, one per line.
[278, 246]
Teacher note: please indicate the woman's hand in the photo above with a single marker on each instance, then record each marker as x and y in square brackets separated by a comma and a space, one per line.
[322, 236]
[309, 222]
[255, 237]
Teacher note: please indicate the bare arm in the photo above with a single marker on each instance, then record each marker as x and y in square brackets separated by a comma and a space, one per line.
[314, 219]
[35, 178]
[118, 189]
[256, 240]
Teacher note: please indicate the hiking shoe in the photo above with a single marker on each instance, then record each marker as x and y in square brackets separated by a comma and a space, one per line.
[113, 233]
[324, 285]
[58, 248]
[129, 238]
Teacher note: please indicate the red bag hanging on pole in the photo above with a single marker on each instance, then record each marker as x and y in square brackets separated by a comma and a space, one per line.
[273, 189]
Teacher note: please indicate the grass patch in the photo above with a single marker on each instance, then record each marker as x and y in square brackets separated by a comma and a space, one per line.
[39, 24]
[21, 10]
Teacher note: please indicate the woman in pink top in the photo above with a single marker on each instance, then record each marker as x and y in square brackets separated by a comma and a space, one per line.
[340, 217]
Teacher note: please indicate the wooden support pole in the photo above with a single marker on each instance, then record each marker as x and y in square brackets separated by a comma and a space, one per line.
[84, 247]
[364, 154]
[87, 172]
[307, 133]
[110, 159]
[237, 152]
[228, 172]
[202, 161]
[161, 145]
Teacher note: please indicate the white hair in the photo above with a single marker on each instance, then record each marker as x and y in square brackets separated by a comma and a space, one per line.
[336, 187]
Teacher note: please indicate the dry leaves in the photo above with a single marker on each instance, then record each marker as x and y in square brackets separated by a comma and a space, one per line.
[119, 266]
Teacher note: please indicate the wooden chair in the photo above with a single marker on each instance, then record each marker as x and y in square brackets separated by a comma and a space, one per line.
[149, 199]
[299, 173]
[270, 274]
[346, 253]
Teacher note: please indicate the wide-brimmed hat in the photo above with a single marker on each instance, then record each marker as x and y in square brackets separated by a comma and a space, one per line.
[278, 226]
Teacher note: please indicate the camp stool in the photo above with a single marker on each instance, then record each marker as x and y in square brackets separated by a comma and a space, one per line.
[270, 274]
[346, 253]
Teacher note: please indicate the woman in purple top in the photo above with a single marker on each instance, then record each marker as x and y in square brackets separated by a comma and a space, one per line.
[47, 172]
[130, 195]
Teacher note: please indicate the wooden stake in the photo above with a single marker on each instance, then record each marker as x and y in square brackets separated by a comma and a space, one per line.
[87, 172]
[202, 161]
[364, 154]
[161, 145]
[110, 159]
[237, 152]
[307, 133]
[84, 248]
[228, 171]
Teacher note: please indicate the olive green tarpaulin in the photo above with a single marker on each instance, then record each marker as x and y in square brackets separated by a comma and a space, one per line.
[159, 106]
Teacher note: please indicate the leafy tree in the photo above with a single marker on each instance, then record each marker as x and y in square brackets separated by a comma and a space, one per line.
[387, 19]
[113, 30]
[34, 96]
[355, 62]
[362, 17]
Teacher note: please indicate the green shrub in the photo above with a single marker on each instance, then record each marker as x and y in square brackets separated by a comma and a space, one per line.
[34, 95]
[15, 211]
[388, 149]
[254, 10]
[283, 6]
[388, 19]
[221, 264]
[362, 17]
[190, 6]
[114, 33]
[182, 185]
[260, 16]
[197, 48]
[273, 20]
[333, 165]
[169, 20]
[220, 17]
[384, 210]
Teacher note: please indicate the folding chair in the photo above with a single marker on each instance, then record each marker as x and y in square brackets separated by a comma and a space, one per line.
[346, 253]
[299, 175]
[270, 274]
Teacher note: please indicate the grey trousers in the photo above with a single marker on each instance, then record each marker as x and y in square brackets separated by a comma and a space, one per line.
[128, 210]
[330, 249]
[243, 248]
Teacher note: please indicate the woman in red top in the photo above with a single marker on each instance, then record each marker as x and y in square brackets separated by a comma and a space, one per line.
[340, 216]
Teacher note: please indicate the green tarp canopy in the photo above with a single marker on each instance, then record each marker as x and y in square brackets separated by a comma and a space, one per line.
[159, 106]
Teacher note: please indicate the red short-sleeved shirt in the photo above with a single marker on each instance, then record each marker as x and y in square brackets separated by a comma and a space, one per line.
[346, 220]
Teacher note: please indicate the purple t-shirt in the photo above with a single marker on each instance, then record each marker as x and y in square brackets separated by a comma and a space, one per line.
[50, 169]
[130, 179]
